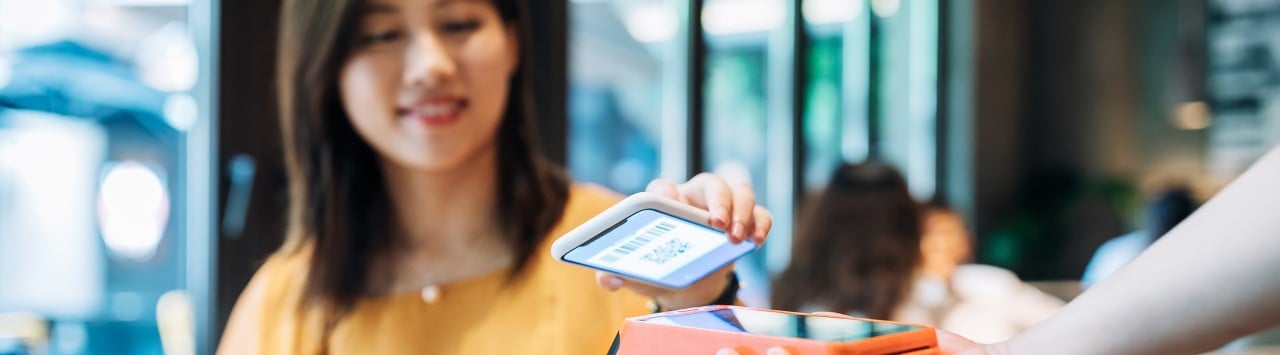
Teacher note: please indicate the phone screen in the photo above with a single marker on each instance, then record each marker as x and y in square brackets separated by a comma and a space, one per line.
[743, 320]
[660, 249]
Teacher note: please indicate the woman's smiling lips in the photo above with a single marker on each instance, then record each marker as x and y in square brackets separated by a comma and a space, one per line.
[433, 111]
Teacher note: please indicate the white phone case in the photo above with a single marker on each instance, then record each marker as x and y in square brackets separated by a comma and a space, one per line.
[620, 211]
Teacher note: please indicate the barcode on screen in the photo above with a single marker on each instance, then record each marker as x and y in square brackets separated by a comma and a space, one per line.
[638, 241]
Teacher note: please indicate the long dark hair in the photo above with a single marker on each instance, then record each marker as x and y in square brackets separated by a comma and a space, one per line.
[337, 197]
[857, 247]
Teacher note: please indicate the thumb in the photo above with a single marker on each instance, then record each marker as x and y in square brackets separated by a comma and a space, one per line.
[608, 281]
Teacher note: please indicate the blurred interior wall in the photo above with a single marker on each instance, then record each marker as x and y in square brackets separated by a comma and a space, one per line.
[1070, 103]
[248, 128]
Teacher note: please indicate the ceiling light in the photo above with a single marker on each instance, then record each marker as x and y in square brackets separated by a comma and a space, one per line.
[726, 17]
[133, 208]
[652, 23]
[822, 12]
[885, 8]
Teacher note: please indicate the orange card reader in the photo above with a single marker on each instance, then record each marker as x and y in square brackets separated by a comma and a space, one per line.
[750, 331]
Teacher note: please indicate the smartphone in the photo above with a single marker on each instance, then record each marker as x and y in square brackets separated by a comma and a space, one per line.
[651, 239]
[707, 329]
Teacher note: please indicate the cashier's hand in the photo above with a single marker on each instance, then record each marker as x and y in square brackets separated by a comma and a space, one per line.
[953, 344]
[732, 208]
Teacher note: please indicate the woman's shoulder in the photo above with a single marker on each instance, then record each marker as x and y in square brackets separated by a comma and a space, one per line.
[265, 317]
[984, 282]
[592, 195]
[280, 280]
[587, 200]
[288, 266]
[988, 284]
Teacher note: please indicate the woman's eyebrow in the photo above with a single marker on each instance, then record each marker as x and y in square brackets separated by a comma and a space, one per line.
[373, 8]
[442, 3]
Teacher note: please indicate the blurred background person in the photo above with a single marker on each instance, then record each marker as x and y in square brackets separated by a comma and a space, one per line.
[866, 248]
[857, 247]
[1165, 211]
[980, 301]
[946, 242]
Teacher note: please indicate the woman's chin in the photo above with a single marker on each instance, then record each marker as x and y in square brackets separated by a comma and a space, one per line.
[433, 162]
[429, 164]
[436, 155]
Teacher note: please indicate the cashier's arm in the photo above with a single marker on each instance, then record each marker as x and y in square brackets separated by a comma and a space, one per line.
[1212, 279]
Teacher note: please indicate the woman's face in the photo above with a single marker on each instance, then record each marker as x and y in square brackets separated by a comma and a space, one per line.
[425, 83]
[945, 239]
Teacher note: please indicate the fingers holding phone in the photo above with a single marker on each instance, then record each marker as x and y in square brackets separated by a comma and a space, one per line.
[657, 245]
[731, 208]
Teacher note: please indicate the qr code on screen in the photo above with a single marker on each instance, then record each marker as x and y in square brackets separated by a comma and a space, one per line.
[671, 249]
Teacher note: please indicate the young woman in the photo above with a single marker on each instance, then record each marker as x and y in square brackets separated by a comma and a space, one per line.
[980, 302]
[857, 249]
[420, 213]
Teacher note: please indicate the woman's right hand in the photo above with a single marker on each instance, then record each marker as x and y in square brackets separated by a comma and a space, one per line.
[731, 208]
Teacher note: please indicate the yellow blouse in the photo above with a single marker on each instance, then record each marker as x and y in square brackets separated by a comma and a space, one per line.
[555, 308]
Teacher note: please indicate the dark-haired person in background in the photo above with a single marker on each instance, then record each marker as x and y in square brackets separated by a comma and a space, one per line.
[866, 248]
[857, 246]
[420, 212]
[981, 302]
[1166, 210]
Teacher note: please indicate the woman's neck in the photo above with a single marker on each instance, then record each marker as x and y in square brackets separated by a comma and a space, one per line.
[443, 223]
[447, 212]
[941, 270]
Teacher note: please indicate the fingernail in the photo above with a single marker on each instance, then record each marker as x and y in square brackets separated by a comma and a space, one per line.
[726, 351]
[614, 282]
[738, 231]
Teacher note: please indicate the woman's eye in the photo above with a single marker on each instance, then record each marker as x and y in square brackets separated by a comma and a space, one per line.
[460, 27]
[379, 37]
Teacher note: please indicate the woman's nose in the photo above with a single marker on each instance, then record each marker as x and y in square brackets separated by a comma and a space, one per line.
[428, 62]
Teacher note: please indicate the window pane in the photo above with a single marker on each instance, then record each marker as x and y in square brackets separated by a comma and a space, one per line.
[835, 111]
[96, 102]
[904, 50]
[748, 92]
[626, 90]
[822, 109]
[871, 66]
[1244, 124]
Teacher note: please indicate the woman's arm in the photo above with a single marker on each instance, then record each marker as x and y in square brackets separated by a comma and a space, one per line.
[1214, 278]
[243, 328]
[264, 319]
